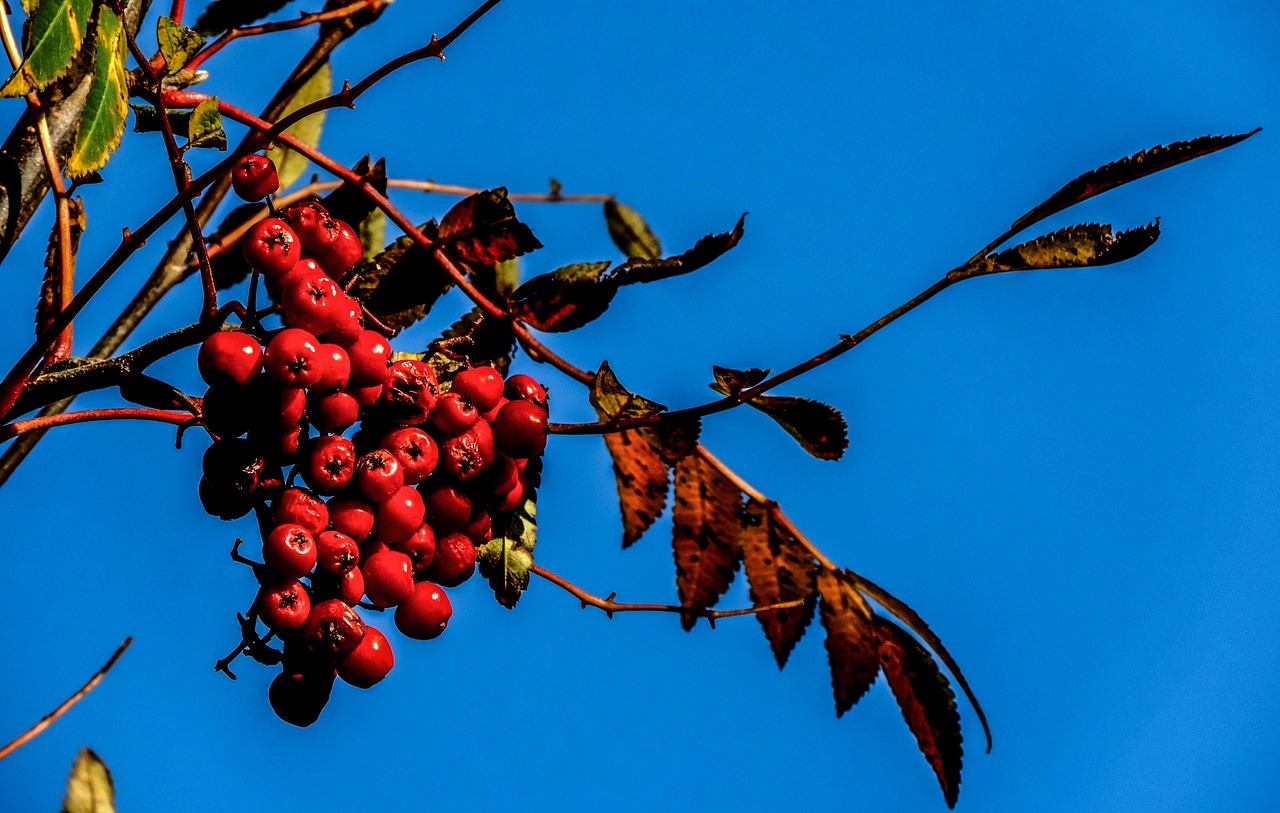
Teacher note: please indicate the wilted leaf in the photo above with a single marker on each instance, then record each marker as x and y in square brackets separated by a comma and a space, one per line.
[107, 104]
[483, 228]
[706, 250]
[45, 311]
[630, 233]
[927, 702]
[707, 518]
[778, 570]
[350, 204]
[819, 428]
[400, 284]
[55, 35]
[224, 14]
[731, 382]
[852, 647]
[1126, 170]
[89, 787]
[290, 164]
[177, 44]
[612, 400]
[642, 482]
[565, 299]
[1085, 245]
[205, 126]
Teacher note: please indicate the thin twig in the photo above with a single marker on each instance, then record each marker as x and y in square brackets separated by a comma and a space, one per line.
[284, 25]
[38, 424]
[52, 717]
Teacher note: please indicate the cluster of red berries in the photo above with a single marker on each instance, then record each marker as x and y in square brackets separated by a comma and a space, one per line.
[393, 514]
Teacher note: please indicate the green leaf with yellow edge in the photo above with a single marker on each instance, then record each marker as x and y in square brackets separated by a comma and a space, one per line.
[89, 787]
[205, 127]
[630, 233]
[1081, 246]
[177, 44]
[290, 164]
[107, 104]
[55, 35]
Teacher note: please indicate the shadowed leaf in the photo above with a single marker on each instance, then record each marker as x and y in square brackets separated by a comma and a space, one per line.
[707, 518]
[612, 400]
[349, 203]
[224, 14]
[852, 646]
[506, 558]
[401, 284]
[53, 263]
[373, 233]
[1126, 170]
[54, 36]
[565, 299]
[1085, 245]
[177, 44]
[204, 128]
[927, 702]
[778, 570]
[673, 438]
[89, 786]
[483, 228]
[481, 340]
[230, 267]
[630, 233]
[706, 250]
[820, 429]
[291, 164]
[153, 393]
[107, 104]
[642, 480]
[731, 382]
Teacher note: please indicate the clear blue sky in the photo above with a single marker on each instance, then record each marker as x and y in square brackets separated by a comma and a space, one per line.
[1072, 475]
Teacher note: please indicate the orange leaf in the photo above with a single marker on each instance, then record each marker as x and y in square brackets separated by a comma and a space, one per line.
[778, 569]
[852, 649]
[708, 520]
[642, 482]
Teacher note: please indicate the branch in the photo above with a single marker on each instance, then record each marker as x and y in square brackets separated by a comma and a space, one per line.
[39, 424]
[52, 717]
[285, 25]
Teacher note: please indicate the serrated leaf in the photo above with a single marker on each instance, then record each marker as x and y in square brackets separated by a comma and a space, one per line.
[224, 14]
[506, 558]
[674, 438]
[630, 233]
[349, 203]
[45, 311]
[177, 44]
[642, 479]
[705, 251]
[565, 299]
[1126, 170]
[612, 400]
[707, 517]
[481, 340]
[291, 164]
[1084, 245]
[778, 569]
[205, 126]
[731, 382]
[89, 786]
[400, 284]
[107, 104]
[852, 644]
[483, 228]
[819, 428]
[927, 702]
[55, 35]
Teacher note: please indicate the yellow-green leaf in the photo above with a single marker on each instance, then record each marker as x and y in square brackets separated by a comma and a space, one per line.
[205, 127]
[55, 35]
[630, 232]
[177, 44]
[89, 787]
[1088, 244]
[107, 105]
[289, 163]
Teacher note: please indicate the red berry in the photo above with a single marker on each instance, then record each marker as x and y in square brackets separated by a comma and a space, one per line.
[222, 502]
[369, 662]
[388, 578]
[283, 607]
[336, 552]
[350, 323]
[463, 457]
[344, 252]
[316, 228]
[291, 550]
[333, 629]
[348, 587]
[311, 303]
[521, 429]
[329, 464]
[227, 411]
[271, 246]
[352, 516]
[301, 507]
[335, 368]
[454, 414]
[479, 529]
[291, 358]
[293, 406]
[521, 387]
[333, 412]
[298, 699]
[370, 355]
[454, 562]
[254, 177]
[378, 476]
[366, 396]
[425, 614]
[229, 357]
[483, 385]
[510, 499]
[396, 519]
[412, 391]
[446, 507]
[415, 450]
[421, 549]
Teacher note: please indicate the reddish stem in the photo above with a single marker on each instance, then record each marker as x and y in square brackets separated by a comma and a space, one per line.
[13, 430]
[285, 25]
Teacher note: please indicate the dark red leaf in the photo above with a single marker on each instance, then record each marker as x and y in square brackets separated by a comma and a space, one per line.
[852, 645]
[778, 569]
[706, 250]
[707, 517]
[483, 228]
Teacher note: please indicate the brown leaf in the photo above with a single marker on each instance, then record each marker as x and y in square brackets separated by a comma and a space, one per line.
[1084, 245]
[778, 569]
[927, 702]
[673, 438]
[642, 482]
[483, 228]
[707, 515]
[852, 645]
[706, 250]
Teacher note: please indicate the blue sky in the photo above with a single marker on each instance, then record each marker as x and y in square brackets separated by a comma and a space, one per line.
[1072, 475]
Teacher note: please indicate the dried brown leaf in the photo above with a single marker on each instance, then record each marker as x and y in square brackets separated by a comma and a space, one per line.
[778, 569]
[852, 646]
[707, 516]
[642, 479]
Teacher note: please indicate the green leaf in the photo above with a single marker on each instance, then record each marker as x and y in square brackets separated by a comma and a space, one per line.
[506, 277]
[373, 233]
[612, 400]
[224, 14]
[204, 128]
[89, 787]
[819, 428]
[630, 233]
[55, 35]
[483, 228]
[290, 164]
[1085, 245]
[400, 284]
[146, 119]
[565, 299]
[506, 558]
[177, 44]
[107, 104]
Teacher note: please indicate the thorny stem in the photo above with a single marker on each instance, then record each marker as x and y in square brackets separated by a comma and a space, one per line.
[610, 606]
[284, 25]
[37, 424]
[52, 717]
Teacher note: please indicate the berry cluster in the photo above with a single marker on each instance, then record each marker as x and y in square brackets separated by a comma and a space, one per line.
[391, 515]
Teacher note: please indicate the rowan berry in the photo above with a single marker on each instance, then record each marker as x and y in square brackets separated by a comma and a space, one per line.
[425, 614]
[369, 662]
[254, 177]
[229, 357]
[520, 429]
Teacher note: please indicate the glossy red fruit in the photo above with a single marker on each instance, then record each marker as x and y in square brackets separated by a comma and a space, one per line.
[420, 548]
[510, 499]
[454, 562]
[292, 406]
[333, 412]
[520, 429]
[521, 387]
[336, 552]
[366, 396]
[329, 464]
[348, 587]
[416, 451]
[290, 549]
[291, 358]
[283, 607]
[412, 391]
[425, 614]
[298, 699]
[312, 303]
[301, 507]
[446, 507]
[369, 662]
[396, 519]
[349, 324]
[272, 247]
[229, 357]
[479, 529]
[332, 628]
[370, 356]
[335, 368]
[345, 251]
[454, 414]
[315, 227]
[254, 177]
[388, 578]
[234, 464]
[352, 516]
[491, 413]
[463, 457]
[378, 476]
[483, 385]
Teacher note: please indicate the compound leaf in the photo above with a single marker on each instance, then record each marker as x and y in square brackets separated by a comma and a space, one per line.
[89, 786]
[778, 570]
[643, 479]
[55, 35]
[927, 702]
[1084, 245]
[177, 44]
[852, 647]
[630, 233]
[224, 14]
[291, 164]
[707, 517]
[483, 228]
[107, 104]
